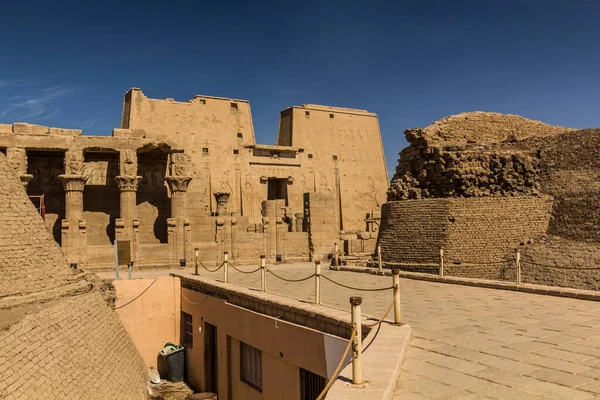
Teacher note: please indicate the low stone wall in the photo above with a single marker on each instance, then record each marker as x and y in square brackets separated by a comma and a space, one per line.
[470, 230]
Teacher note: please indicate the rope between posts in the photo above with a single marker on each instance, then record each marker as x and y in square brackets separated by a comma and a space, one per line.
[557, 267]
[339, 366]
[212, 270]
[290, 280]
[380, 320]
[138, 296]
[478, 263]
[244, 272]
[355, 288]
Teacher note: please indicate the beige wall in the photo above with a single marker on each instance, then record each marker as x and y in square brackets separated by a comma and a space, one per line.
[285, 347]
[352, 136]
[153, 318]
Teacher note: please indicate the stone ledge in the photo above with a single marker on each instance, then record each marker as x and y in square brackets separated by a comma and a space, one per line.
[382, 363]
[326, 319]
[581, 294]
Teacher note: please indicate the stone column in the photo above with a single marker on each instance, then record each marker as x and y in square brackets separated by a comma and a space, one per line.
[17, 158]
[128, 185]
[128, 181]
[73, 226]
[178, 223]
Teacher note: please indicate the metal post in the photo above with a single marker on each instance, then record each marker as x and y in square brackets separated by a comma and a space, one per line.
[196, 264]
[116, 261]
[263, 277]
[225, 267]
[379, 263]
[129, 268]
[396, 285]
[357, 377]
[441, 262]
[317, 282]
[518, 258]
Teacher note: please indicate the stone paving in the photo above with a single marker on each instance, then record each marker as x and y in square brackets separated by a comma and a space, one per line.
[468, 342]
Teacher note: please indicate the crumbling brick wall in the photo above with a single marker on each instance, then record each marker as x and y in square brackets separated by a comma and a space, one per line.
[31, 260]
[472, 232]
[59, 338]
[76, 349]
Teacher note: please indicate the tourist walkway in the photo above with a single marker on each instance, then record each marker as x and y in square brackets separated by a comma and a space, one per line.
[468, 342]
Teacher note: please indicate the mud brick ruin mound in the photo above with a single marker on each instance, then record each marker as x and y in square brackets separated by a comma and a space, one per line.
[58, 336]
[546, 182]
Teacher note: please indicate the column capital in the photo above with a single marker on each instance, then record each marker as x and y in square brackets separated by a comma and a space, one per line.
[178, 183]
[222, 198]
[73, 183]
[128, 183]
[25, 178]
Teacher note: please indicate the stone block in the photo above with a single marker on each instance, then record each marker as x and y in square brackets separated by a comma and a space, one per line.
[129, 133]
[32, 129]
[65, 132]
[6, 128]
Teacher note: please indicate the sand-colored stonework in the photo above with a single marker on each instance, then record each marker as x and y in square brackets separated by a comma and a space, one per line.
[183, 175]
[59, 337]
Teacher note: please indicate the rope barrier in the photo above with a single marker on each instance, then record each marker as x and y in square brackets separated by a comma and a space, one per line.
[380, 320]
[243, 272]
[290, 280]
[138, 296]
[355, 288]
[478, 263]
[212, 270]
[339, 366]
[557, 267]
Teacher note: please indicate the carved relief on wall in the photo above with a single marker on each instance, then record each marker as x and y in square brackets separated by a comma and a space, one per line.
[128, 163]
[323, 182]
[17, 158]
[74, 162]
[180, 164]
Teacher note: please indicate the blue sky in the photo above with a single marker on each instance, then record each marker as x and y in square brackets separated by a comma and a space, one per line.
[68, 64]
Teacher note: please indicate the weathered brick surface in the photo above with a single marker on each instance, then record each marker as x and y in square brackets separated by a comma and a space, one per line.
[562, 262]
[471, 231]
[30, 260]
[71, 347]
[76, 349]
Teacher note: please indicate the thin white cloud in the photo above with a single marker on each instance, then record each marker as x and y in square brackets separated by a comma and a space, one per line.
[37, 106]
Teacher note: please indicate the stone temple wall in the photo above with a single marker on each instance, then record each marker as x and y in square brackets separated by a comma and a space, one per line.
[59, 338]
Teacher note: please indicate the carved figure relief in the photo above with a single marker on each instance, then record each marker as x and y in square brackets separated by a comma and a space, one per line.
[128, 163]
[74, 162]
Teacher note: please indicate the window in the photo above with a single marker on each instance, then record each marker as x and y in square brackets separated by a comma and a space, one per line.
[311, 385]
[251, 366]
[240, 135]
[334, 158]
[236, 151]
[310, 155]
[202, 101]
[205, 150]
[234, 106]
[330, 115]
[187, 330]
[307, 113]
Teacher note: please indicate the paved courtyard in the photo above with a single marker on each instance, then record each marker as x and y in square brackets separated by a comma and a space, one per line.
[468, 342]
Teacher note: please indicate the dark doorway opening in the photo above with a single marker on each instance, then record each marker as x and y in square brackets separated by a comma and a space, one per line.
[277, 189]
[46, 166]
[210, 357]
